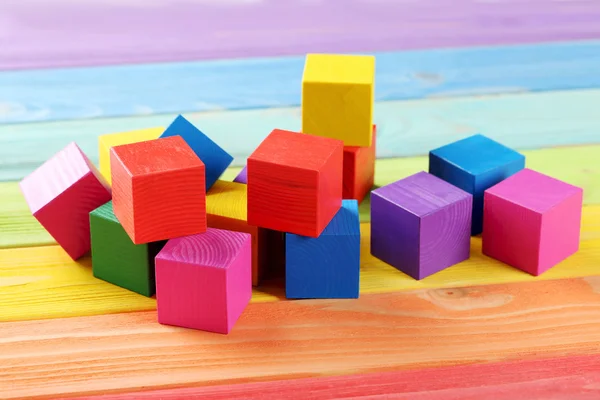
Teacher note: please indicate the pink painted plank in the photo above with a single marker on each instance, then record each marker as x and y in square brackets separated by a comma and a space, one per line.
[566, 378]
[36, 34]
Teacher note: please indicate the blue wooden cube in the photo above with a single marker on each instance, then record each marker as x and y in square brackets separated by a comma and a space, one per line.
[215, 159]
[326, 267]
[475, 164]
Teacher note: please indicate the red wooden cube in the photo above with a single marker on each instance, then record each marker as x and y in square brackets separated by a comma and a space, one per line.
[61, 193]
[159, 191]
[295, 182]
[359, 170]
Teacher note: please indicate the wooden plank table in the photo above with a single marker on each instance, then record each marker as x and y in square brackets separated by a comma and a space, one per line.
[478, 330]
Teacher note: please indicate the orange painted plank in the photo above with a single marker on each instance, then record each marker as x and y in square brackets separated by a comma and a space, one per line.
[299, 339]
[567, 378]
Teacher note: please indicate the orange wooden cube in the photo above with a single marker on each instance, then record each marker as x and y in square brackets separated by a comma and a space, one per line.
[158, 189]
[226, 208]
[359, 170]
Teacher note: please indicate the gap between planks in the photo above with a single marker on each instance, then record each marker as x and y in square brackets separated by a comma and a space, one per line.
[43, 282]
[563, 378]
[405, 128]
[39, 95]
[294, 339]
[578, 165]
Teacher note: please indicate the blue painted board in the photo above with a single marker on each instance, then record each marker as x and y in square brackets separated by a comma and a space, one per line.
[404, 128]
[126, 90]
[215, 159]
[326, 267]
[475, 164]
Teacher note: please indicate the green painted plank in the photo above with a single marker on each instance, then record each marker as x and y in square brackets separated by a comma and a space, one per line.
[405, 128]
[578, 165]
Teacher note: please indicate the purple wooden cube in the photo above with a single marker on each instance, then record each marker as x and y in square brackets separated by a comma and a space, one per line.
[421, 224]
[242, 177]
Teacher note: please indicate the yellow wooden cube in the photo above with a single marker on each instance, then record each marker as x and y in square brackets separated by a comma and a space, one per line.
[338, 96]
[105, 142]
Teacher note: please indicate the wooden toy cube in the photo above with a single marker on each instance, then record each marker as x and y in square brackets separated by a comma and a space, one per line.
[242, 177]
[215, 159]
[116, 259]
[338, 97]
[327, 266]
[204, 281]
[421, 224]
[61, 193]
[158, 189]
[359, 170]
[226, 208]
[295, 183]
[532, 221]
[475, 164]
[105, 142]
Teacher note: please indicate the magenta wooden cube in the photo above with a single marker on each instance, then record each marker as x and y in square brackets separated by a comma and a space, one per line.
[61, 193]
[204, 281]
[532, 221]
[421, 224]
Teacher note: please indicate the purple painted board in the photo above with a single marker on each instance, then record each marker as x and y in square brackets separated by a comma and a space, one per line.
[242, 177]
[421, 224]
[53, 33]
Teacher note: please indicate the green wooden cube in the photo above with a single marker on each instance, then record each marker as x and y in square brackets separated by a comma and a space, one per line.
[116, 259]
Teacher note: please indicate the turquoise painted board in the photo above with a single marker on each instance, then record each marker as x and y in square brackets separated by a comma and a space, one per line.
[81, 93]
[405, 128]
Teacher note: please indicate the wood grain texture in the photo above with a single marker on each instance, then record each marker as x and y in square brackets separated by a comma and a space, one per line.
[421, 224]
[562, 378]
[295, 182]
[579, 165]
[61, 193]
[41, 95]
[405, 128]
[240, 29]
[159, 189]
[359, 170]
[42, 282]
[295, 339]
[326, 267]
[116, 259]
[543, 212]
[226, 208]
[204, 281]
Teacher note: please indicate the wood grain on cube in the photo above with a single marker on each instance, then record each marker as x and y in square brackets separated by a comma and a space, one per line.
[61, 193]
[295, 182]
[158, 189]
[204, 281]
[359, 170]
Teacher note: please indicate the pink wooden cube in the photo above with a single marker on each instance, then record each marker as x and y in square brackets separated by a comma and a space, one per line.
[204, 281]
[532, 221]
[61, 193]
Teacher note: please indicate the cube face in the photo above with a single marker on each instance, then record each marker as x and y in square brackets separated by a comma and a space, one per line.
[338, 97]
[543, 212]
[295, 183]
[159, 189]
[226, 208]
[61, 193]
[475, 164]
[359, 170]
[116, 259]
[215, 159]
[204, 281]
[106, 142]
[242, 177]
[420, 225]
[327, 266]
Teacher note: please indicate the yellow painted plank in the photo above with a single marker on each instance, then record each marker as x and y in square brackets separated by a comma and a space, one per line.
[578, 165]
[42, 282]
